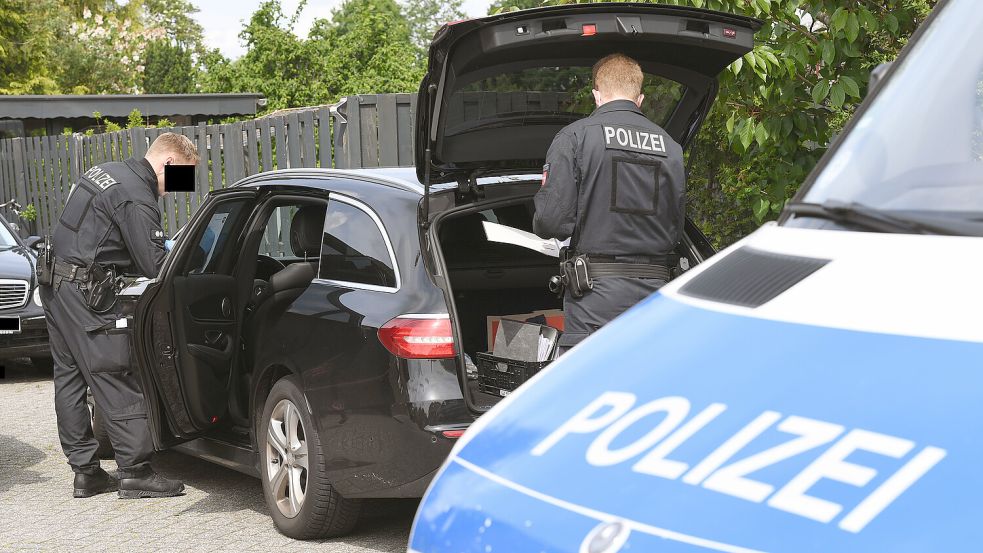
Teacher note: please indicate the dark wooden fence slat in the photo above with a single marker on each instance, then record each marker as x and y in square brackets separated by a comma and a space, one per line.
[404, 128]
[387, 129]
[252, 152]
[294, 147]
[191, 198]
[50, 191]
[215, 156]
[280, 143]
[201, 172]
[353, 133]
[324, 137]
[64, 161]
[31, 176]
[307, 139]
[369, 134]
[265, 143]
[138, 141]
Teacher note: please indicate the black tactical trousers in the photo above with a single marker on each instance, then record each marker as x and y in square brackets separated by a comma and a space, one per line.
[89, 351]
[610, 297]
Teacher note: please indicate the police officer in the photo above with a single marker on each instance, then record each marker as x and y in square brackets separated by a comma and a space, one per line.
[613, 184]
[111, 225]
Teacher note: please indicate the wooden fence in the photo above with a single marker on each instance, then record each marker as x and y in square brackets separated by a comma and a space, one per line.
[362, 131]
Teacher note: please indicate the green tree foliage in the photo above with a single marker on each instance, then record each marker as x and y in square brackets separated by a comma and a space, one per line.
[23, 40]
[365, 47]
[87, 46]
[368, 48]
[499, 6]
[424, 17]
[168, 69]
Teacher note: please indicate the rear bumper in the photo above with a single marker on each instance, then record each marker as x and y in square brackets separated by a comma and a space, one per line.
[31, 341]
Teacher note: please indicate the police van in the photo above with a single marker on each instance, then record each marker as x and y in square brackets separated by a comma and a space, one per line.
[815, 387]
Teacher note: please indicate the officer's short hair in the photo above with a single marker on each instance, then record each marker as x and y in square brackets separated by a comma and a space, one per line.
[618, 74]
[177, 144]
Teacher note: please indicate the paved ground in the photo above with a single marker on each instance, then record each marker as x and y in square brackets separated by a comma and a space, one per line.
[222, 510]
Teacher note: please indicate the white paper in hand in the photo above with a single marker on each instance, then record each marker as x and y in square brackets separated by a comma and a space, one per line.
[511, 235]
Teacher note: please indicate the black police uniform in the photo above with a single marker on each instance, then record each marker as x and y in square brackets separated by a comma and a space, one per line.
[111, 218]
[614, 184]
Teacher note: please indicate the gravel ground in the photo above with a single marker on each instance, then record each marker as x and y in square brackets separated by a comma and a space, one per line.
[221, 511]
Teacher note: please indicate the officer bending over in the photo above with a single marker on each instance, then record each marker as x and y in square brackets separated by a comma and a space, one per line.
[111, 225]
[614, 184]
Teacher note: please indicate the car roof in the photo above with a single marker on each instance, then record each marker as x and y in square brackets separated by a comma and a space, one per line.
[403, 178]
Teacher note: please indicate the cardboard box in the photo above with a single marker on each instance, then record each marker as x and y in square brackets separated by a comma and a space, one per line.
[550, 317]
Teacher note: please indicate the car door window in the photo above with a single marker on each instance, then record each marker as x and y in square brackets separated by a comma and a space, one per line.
[275, 241]
[210, 252]
[355, 248]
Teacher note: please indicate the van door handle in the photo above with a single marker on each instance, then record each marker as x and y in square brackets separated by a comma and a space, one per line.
[494, 273]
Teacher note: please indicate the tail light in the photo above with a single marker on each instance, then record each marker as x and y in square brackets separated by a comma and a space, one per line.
[419, 337]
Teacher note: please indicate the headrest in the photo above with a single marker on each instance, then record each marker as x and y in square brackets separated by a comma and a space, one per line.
[306, 229]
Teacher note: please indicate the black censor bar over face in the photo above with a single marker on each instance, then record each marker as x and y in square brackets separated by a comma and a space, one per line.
[179, 178]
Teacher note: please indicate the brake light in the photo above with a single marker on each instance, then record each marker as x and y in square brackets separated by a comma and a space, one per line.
[589, 29]
[418, 337]
[453, 433]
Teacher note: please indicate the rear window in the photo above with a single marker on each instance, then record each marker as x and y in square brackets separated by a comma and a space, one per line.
[547, 95]
[354, 249]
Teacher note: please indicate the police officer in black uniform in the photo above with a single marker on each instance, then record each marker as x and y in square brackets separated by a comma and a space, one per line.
[614, 185]
[111, 225]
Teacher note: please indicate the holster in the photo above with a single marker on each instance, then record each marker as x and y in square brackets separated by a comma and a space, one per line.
[45, 266]
[100, 288]
[574, 275]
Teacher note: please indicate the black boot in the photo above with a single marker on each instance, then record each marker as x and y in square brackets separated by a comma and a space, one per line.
[94, 482]
[147, 483]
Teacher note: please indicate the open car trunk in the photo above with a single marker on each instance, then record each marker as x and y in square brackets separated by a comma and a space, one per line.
[491, 279]
[485, 278]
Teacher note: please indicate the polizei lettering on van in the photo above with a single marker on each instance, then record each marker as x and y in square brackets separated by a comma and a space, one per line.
[724, 470]
[634, 140]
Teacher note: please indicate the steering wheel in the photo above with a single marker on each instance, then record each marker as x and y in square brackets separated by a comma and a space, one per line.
[266, 266]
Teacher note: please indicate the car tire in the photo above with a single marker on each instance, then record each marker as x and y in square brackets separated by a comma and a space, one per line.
[291, 460]
[105, 450]
[43, 364]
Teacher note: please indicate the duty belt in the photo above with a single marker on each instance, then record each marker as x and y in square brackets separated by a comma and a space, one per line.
[630, 270]
[70, 271]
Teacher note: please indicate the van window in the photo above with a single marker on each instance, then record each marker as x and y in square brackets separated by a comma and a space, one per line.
[354, 249]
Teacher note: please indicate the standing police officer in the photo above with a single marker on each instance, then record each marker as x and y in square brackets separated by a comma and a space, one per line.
[614, 184]
[111, 225]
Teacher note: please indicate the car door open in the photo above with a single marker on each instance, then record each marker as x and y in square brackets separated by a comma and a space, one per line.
[188, 325]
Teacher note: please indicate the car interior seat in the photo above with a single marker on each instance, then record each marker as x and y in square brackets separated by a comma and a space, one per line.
[289, 283]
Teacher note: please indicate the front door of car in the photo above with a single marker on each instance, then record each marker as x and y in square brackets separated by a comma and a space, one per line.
[187, 323]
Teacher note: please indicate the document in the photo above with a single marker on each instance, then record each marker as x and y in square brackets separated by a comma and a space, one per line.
[511, 235]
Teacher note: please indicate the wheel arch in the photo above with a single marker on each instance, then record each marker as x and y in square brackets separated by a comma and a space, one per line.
[263, 385]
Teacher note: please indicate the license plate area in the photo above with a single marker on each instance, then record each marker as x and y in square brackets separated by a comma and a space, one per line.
[9, 325]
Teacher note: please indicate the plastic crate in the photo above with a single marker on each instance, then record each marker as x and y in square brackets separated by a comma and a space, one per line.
[500, 377]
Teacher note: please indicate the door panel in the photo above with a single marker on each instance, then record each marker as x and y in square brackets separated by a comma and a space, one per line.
[205, 320]
[188, 321]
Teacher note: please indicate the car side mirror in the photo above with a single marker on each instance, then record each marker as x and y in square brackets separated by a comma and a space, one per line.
[34, 242]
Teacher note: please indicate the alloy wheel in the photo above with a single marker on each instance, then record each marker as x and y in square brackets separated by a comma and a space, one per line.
[287, 463]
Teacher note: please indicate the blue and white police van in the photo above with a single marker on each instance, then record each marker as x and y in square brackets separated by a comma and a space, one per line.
[817, 386]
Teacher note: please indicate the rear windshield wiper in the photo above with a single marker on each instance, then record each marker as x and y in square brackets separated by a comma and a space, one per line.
[869, 218]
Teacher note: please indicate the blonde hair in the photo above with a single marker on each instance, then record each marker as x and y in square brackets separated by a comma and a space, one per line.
[177, 144]
[618, 75]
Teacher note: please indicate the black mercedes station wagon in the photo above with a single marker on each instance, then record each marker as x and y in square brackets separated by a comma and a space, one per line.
[314, 327]
[23, 331]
